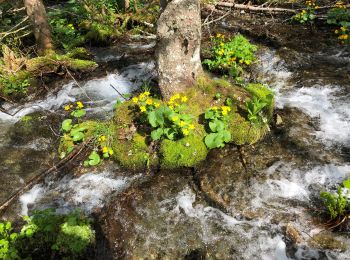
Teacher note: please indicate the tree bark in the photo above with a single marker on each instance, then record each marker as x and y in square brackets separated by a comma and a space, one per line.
[41, 28]
[178, 46]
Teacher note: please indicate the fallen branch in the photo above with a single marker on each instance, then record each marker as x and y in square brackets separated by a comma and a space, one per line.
[256, 8]
[38, 178]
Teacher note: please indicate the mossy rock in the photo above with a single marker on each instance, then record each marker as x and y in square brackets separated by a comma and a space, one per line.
[186, 152]
[52, 62]
[135, 153]
[243, 132]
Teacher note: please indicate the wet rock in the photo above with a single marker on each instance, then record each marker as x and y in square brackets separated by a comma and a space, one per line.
[163, 218]
[327, 240]
[293, 233]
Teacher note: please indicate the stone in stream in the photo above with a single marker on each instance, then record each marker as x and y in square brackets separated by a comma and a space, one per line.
[163, 218]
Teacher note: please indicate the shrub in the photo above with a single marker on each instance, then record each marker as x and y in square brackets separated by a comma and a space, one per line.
[231, 56]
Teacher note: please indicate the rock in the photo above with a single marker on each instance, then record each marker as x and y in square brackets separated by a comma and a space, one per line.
[293, 233]
[327, 240]
[178, 47]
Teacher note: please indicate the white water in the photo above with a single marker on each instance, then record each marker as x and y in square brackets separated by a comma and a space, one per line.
[88, 192]
[97, 94]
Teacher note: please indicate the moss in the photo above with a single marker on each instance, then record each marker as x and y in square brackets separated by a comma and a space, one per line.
[243, 132]
[53, 62]
[186, 152]
[134, 154]
[261, 91]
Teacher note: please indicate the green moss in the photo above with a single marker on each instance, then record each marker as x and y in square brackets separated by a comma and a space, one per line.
[134, 154]
[186, 152]
[243, 132]
[52, 62]
[261, 91]
[15, 83]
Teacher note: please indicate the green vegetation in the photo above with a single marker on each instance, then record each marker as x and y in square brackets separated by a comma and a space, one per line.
[231, 56]
[186, 152]
[167, 120]
[307, 15]
[340, 16]
[47, 232]
[76, 132]
[218, 125]
[337, 204]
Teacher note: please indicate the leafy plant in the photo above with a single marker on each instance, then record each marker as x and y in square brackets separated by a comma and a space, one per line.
[337, 204]
[218, 125]
[232, 55]
[44, 232]
[255, 107]
[12, 84]
[75, 133]
[340, 16]
[308, 14]
[8, 238]
[167, 120]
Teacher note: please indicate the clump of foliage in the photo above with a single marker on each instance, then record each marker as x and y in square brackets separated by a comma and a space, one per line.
[218, 125]
[45, 232]
[339, 16]
[337, 204]
[167, 120]
[75, 132]
[231, 55]
[307, 15]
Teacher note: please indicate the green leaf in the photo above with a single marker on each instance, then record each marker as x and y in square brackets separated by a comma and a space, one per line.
[157, 134]
[346, 184]
[78, 113]
[152, 119]
[94, 159]
[67, 125]
[213, 140]
[77, 129]
[226, 136]
[78, 136]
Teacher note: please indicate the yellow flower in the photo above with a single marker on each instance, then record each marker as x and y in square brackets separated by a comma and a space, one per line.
[343, 28]
[226, 108]
[218, 35]
[171, 107]
[146, 93]
[222, 44]
[184, 99]
[191, 126]
[67, 108]
[135, 100]
[110, 152]
[345, 36]
[224, 112]
[143, 108]
[247, 62]
[156, 105]
[182, 123]
[149, 101]
[80, 104]
[105, 149]
[185, 131]
[214, 108]
[102, 138]
[336, 31]
[174, 118]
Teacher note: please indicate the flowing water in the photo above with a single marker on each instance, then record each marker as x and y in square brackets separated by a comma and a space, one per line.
[312, 97]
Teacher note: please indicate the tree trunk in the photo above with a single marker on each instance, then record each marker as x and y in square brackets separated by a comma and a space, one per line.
[41, 28]
[178, 46]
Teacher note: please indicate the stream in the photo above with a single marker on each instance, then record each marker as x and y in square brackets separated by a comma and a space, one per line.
[165, 217]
